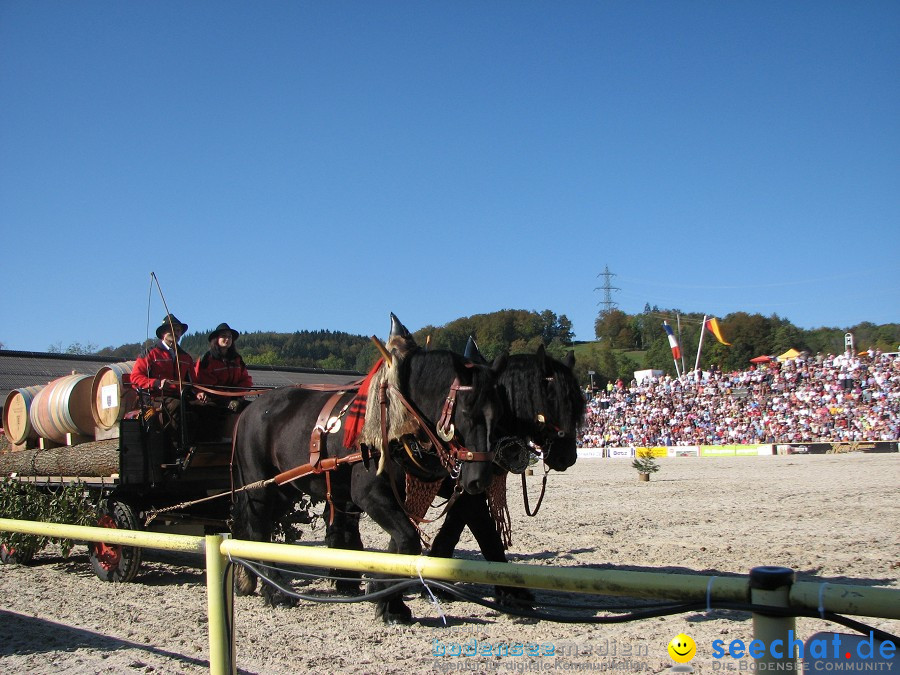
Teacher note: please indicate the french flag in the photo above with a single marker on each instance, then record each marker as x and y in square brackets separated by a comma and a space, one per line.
[673, 343]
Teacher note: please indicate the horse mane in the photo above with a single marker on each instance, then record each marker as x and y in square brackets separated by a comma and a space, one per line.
[565, 390]
[528, 376]
[399, 420]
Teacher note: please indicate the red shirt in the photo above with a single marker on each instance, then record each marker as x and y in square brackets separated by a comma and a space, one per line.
[149, 371]
[212, 372]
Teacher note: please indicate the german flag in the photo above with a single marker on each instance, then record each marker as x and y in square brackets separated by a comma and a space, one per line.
[713, 327]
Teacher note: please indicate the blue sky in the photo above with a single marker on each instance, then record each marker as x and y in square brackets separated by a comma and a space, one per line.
[316, 165]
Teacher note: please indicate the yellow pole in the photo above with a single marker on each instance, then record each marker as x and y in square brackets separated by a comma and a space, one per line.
[839, 598]
[847, 598]
[578, 580]
[220, 608]
[771, 586]
[157, 540]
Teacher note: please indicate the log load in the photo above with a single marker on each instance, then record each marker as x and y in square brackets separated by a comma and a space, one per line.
[100, 458]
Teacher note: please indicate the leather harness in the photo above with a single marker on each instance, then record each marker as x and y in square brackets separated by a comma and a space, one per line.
[450, 454]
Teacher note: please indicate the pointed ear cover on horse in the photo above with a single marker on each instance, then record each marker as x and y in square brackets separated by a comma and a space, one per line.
[569, 361]
[397, 328]
[401, 341]
[471, 352]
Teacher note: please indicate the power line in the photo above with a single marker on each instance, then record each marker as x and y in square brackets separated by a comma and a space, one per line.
[608, 303]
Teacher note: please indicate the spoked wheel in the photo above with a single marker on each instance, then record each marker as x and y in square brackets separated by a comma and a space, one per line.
[114, 562]
[14, 556]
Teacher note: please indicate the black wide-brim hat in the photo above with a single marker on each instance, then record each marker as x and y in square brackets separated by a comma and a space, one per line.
[221, 328]
[167, 323]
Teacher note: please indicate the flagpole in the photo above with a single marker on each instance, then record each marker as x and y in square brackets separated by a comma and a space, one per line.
[700, 346]
[673, 344]
[680, 341]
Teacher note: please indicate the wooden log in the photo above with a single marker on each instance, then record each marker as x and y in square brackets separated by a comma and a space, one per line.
[100, 458]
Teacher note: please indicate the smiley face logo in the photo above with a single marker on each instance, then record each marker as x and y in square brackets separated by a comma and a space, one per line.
[682, 648]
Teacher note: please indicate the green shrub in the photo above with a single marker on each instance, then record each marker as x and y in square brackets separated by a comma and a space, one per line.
[70, 504]
[644, 462]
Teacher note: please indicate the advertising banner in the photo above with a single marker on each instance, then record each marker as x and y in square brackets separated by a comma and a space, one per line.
[835, 448]
[684, 451]
[591, 453]
[717, 451]
[620, 452]
[662, 451]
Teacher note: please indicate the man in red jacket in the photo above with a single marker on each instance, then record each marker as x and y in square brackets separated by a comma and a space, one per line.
[162, 375]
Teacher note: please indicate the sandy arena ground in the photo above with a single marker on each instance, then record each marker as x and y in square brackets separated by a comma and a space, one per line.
[831, 517]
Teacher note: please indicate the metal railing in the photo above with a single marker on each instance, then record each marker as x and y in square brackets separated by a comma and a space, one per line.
[772, 587]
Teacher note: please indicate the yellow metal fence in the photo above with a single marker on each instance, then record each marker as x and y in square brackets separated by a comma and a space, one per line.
[807, 595]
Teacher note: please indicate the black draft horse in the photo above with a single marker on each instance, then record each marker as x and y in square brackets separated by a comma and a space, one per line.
[273, 436]
[542, 409]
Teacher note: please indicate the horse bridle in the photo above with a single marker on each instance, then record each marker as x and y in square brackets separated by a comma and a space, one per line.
[451, 456]
[529, 444]
[449, 450]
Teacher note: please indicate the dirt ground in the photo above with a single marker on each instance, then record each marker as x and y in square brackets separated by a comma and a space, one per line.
[829, 517]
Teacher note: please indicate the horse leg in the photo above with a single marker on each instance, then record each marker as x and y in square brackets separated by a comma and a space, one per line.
[484, 529]
[472, 511]
[344, 533]
[447, 538]
[253, 515]
[373, 494]
[445, 541]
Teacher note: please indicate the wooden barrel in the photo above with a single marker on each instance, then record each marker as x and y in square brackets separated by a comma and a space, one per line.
[16, 423]
[111, 395]
[63, 406]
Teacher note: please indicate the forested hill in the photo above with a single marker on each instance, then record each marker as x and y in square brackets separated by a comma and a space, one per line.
[625, 342]
[510, 330]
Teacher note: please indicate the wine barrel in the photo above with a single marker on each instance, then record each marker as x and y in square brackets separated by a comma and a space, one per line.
[111, 395]
[63, 406]
[16, 423]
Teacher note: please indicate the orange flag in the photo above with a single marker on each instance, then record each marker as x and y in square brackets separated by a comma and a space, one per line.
[713, 326]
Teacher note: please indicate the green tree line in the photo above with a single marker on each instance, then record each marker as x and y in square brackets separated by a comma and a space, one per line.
[625, 342]
[507, 330]
[639, 341]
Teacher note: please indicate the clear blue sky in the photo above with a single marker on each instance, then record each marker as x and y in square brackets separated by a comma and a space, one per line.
[316, 165]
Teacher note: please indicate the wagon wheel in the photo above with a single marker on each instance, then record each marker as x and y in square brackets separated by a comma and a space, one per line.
[114, 562]
[13, 556]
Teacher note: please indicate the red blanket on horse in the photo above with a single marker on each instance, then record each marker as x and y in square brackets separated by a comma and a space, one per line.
[356, 415]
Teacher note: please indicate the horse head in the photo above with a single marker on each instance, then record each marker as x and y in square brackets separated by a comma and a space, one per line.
[562, 410]
[478, 411]
[448, 424]
[543, 408]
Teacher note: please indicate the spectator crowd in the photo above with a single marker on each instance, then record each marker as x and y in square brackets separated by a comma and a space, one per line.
[848, 397]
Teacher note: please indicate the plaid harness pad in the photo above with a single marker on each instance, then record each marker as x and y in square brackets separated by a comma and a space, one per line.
[356, 414]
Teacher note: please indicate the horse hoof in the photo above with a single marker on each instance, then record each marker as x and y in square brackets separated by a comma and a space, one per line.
[439, 593]
[514, 597]
[275, 598]
[394, 615]
[244, 581]
[349, 588]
